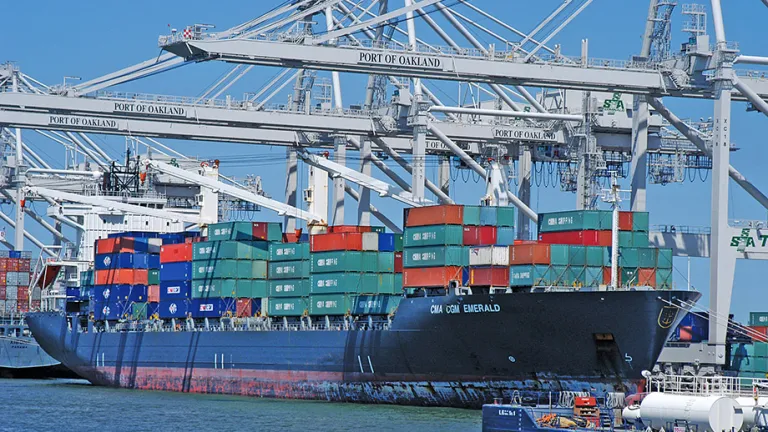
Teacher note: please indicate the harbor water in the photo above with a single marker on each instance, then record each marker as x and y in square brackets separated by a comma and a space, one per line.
[55, 405]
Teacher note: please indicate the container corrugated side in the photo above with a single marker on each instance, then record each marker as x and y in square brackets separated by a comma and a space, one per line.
[229, 269]
[344, 261]
[230, 231]
[447, 214]
[375, 304]
[288, 251]
[433, 256]
[758, 318]
[433, 235]
[288, 269]
[231, 249]
[330, 304]
[288, 306]
[336, 283]
[489, 256]
[289, 288]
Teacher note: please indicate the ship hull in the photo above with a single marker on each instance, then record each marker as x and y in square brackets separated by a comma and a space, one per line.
[440, 351]
[22, 357]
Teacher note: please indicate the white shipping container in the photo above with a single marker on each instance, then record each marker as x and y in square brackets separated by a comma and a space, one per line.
[370, 241]
[24, 279]
[12, 278]
[36, 291]
[11, 292]
[11, 307]
[489, 256]
[2, 306]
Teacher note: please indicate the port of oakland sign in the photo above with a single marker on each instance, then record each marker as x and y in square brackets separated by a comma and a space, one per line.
[524, 134]
[151, 109]
[400, 59]
[82, 122]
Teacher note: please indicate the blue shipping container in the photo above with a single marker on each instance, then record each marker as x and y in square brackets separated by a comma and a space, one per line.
[488, 216]
[121, 261]
[131, 293]
[73, 293]
[386, 242]
[15, 254]
[152, 309]
[153, 261]
[173, 308]
[101, 293]
[134, 234]
[212, 307]
[505, 236]
[176, 271]
[111, 311]
[170, 290]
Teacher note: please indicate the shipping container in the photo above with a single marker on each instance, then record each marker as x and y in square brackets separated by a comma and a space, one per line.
[625, 221]
[336, 242]
[575, 276]
[3, 294]
[87, 277]
[257, 288]
[559, 254]
[333, 283]
[112, 311]
[380, 304]
[153, 277]
[529, 254]
[664, 258]
[471, 216]
[489, 256]
[646, 257]
[558, 275]
[595, 256]
[431, 277]
[758, 318]
[433, 235]
[370, 241]
[433, 256]
[479, 236]
[229, 269]
[288, 269]
[448, 214]
[11, 306]
[288, 251]
[577, 220]
[288, 306]
[640, 222]
[385, 262]
[181, 252]
[330, 304]
[577, 255]
[170, 290]
[663, 279]
[398, 262]
[212, 307]
[629, 257]
[505, 236]
[153, 293]
[168, 309]
[398, 242]
[505, 217]
[388, 283]
[593, 276]
[135, 234]
[230, 231]
[72, 293]
[128, 245]
[488, 216]
[139, 311]
[386, 242]
[121, 261]
[217, 287]
[489, 276]
[248, 307]
[398, 283]
[349, 229]
[129, 293]
[233, 250]
[646, 277]
[122, 277]
[175, 272]
[289, 288]
[340, 261]
[268, 231]
[640, 239]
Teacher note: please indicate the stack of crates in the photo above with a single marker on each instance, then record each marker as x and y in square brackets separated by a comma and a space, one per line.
[488, 249]
[14, 283]
[750, 360]
[288, 285]
[758, 326]
[438, 241]
[230, 269]
[121, 274]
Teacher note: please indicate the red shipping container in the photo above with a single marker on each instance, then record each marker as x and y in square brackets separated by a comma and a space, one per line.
[604, 238]
[582, 238]
[489, 276]
[336, 242]
[2, 292]
[529, 254]
[448, 214]
[23, 307]
[13, 265]
[431, 276]
[625, 221]
[24, 266]
[260, 230]
[758, 330]
[349, 229]
[398, 262]
[181, 252]
[686, 334]
[244, 306]
[23, 295]
[153, 293]
[35, 305]
[121, 276]
[479, 235]
[115, 245]
[607, 276]
[646, 277]
[3, 277]
[4, 264]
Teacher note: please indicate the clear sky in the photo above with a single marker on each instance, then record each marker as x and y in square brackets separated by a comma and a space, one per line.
[52, 39]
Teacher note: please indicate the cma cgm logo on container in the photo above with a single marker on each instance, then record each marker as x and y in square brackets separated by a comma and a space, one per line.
[206, 307]
[107, 260]
[746, 239]
[105, 293]
[174, 290]
[173, 308]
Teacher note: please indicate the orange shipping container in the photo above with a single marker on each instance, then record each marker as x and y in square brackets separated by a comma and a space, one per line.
[489, 276]
[181, 252]
[336, 242]
[244, 308]
[121, 276]
[646, 277]
[153, 293]
[529, 254]
[604, 238]
[430, 277]
[348, 229]
[448, 214]
[625, 221]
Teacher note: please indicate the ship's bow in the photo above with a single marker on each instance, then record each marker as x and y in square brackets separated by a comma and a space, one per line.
[50, 331]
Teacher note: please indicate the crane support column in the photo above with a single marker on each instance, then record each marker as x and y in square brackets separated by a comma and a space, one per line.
[19, 182]
[723, 260]
[524, 191]
[337, 196]
[640, 117]
[291, 185]
[444, 175]
[364, 201]
[419, 154]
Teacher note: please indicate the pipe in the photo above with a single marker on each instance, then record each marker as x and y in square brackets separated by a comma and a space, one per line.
[500, 113]
[717, 17]
[750, 94]
[95, 174]
[751, 59]
[693, 137]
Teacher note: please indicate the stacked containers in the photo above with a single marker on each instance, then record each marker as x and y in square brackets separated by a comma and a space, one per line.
[14, 283]
[171, 297]
[288, 284]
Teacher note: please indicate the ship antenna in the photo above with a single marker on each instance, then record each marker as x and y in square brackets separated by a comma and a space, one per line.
[613, 196]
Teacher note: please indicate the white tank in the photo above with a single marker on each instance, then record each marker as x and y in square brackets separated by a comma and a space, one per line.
[707, 413]
[754, 416]
[631, 414]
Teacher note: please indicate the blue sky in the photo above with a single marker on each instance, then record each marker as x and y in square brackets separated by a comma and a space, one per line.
[91, 38]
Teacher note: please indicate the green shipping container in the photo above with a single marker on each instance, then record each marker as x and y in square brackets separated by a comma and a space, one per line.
[385, 262]
[288, 269]
[153, 277]
[559, 255]
[230, 231]
[471, 215]
[434, 256]
[629, 257]
[345, 261]
[558, 275]
[640, 222]
[398, 283]
[289, 288]
[433, 235]
[229, 269]
[378, 229]
[629, 276]
[575, 276]
[330, 304]
[575, 221]
[758, 319]
[385, 285]
[288, 251]
[505, 217]
[375, 304]
[593, 276]
[640, 239]
[398, 242]
[336, 283]
[521, 276]
[577, 256]
[216, 288]
[252, 288]
[231, 250]
[664, 258]
[663, 279]
[289, 306]
[625, 239]
[595, 255]
[646, 257]
[139, 311]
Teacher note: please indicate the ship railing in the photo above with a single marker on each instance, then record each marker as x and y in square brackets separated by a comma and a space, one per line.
[243, 325]
[710, 385]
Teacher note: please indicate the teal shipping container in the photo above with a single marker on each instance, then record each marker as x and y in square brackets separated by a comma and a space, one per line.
[640, 222]
[433, 235]
[558, 275]
[380, 304]
[521, 275]
[577, 256]
[559, 255]
[288, 269]
[385, 262]
[229, 269]
[505, 236]
[593, 276]
[230, 231]
[288, 251]
[434, 256]
[578, 220]
[663, 278]
[646, 257]
[640, 239]
[398, 283]
[336, 283]
[758, 319]
[218, 288]
[230, 249]
[471, 215]
[398, 242]
[330, 304]
[384, 285]
[575, 276]
[595, 256]
[289, 306]
[629, 257]
[345, 261]
[256, 288]
[664, 258]
[288, 288]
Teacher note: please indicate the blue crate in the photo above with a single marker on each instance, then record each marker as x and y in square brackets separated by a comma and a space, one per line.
[386, 242]
[172, 290]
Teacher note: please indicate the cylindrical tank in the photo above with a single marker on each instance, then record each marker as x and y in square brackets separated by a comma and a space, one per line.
[631, 414]
[754, 415]
[707, 413]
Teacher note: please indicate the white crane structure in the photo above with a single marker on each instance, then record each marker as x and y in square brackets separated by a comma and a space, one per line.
[589, 116]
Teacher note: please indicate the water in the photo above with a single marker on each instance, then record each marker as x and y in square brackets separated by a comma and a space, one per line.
[60, 405]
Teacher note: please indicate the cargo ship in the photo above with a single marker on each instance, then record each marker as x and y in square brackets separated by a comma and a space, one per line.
[453, 313]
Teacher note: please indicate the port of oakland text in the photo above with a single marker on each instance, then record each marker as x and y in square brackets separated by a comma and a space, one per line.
[165, 110]
[84, 122]
[408, 60]
[524, 135]
[464, 308]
